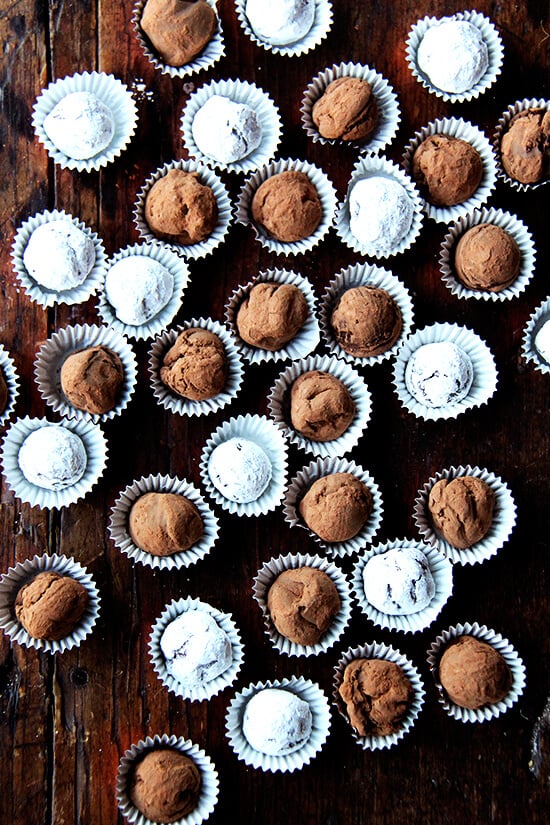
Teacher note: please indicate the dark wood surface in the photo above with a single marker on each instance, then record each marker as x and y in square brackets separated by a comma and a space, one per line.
[65, 720]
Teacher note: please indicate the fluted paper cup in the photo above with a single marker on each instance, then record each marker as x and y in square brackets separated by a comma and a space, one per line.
[11, 379]
[321, 26]
[502, 127]
[538, 356]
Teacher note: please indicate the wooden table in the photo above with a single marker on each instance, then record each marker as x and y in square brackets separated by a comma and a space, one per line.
[65, 720]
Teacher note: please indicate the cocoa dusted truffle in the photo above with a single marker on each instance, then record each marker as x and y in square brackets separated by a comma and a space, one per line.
[302, 603]
[178, 30]
[462, 509]
[180, 209]
[271, 315]
[337, 506]
[525, 146]
[165, 785]
[321, 407]
[288, 206]
[164, 523]
[347, 109]
[196, 365]
[366, 321]
[50, 606]
[448, 170]
[91, 379]
[377, 694]
[473, 673]
[487, 258]
[4, 394]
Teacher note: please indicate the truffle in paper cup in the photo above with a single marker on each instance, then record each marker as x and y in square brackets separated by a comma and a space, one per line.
[120, 113]
[365, 275]
[488, 76]
[325, 191]
[261, 472]
[388, 215]
[187, 406]
[319, 468]
[88, 444]
[502, 127]
[209, 778]
[53, 354]
[207, 177]
[376, 650]
[258, 724]
[279, 404]
[208, 143]
[536, 338]
[210, 54]
[118, 523]
[202, 689]
[502, 524]
[389, 115]
[472, 350]
[507, 651]
[440, 573]
[268, 574]
[178, 275]
[307, 337]
[9, 375]
[462, 130]
[510, 224]
[23, 573]
[41, 294]
[273, 19]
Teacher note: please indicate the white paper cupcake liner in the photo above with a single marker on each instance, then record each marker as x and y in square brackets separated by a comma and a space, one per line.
[514, 662]
[186, 406]
[95, 445]
[53, 353]
[536, 320]
[494, 48]
[365, 275]
[373, 166]
[209, 778]
[266, 576]
[389, 115]
[7, 369]
[321, 26]
[441, 570]
[309, 692]
[354, 383]
[484, 381]
[510, 224]
[325, 190]
[462, 130]
[47, 297]
[319, 468]
[268, 436]
[504, 517]
[195, 693]
[305, 340]
[376, 650]
[23, 572]
[118, 522]
[207, 177]
[178, 269]
[240, 91]
[212, 52]
[502, 127]
[112, 92]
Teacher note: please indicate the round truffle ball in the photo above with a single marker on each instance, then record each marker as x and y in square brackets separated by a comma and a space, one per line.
[138, 288]
[366, 321]
[487, 258]
[462, 509]
[196, 365]
[196, 649]
[180, 209]
[439, 373]
[287, 206]
[542, 341]
[52, 457]
[321, 407]
[302, 603]
[381, 212]
[347, 110]
[165, 785]
[91, 379]
[281, 23]
[4, 393]
[80, 125]
[164, 523]
[448, 170]
[473, 673]
[277, 722]
[377, 694]
[271, 315]
[179, 31]
[453, 55]
[525, 146]
[240, 470]
[59, 255]
[399, 582]
[336, 507]
[226, 130]
[50, 606]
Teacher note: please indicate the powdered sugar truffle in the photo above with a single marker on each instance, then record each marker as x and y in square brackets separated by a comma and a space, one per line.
[138, 288]
[381, 212]
[197, 650]
[59, 255]
[280, 23]
[226, 130]
[277, 722]
[240, 470]
[399, 582]
[453, 55]
[52, 457]
[439, 373]
[80, 125]
[542, 341]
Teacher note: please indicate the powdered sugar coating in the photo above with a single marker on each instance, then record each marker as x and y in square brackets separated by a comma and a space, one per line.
[138, 288]
[226, 130]
[277, 722]
[196, 648]
[439, 373]
[59, 255]
[282, 22]
[381, 212]
[399, 582]
[52, 457]
[80, 125]
[239, 469]
[542, 341]
[453, 55]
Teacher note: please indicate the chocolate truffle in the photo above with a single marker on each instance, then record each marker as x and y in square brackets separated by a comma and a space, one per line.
[164, 523]
[91, 379]
[347, 109]
[52, 457]
[50, 606]
[196, 649]
[59, 255]
[196, 365]
[453, 55]
[138, 288]
[448, 170]
[271, 315]
[277, 722]
[4, 393]
[366, 321]
[525, 146]
[542, 341]
[473, 673]
[439, 373]
[178, 30]
[280, 23]
[377, 694]
[240, 470]
[180, 209]
[302, 603]
[380, 212]
[226, 130]
[80, 125]
[487, 258]
[337, 506]
[287, 206]
[398, 582]
[321, 407]
[461, 509]
[165, 785]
